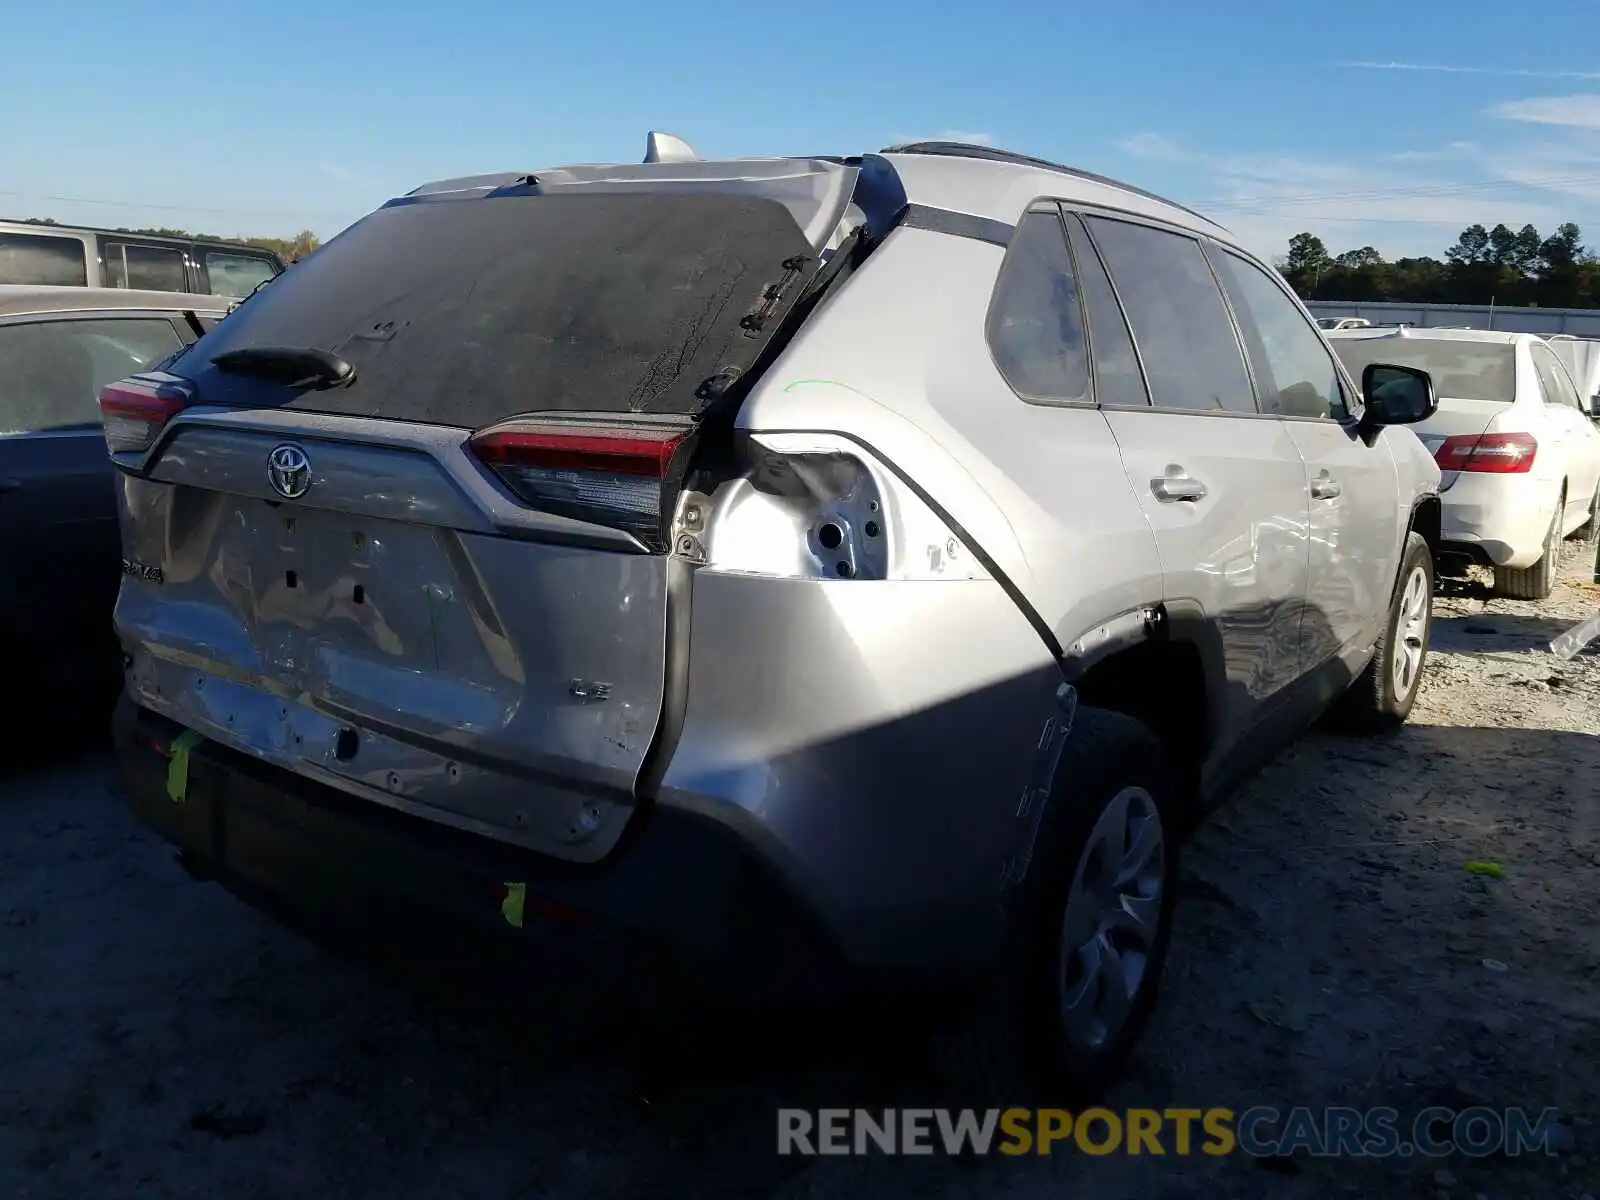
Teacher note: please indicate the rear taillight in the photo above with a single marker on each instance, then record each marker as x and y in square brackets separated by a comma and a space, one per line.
[1499, 453]
[614, 475]
[133, 411]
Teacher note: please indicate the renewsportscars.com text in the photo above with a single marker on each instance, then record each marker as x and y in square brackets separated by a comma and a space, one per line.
[1260, 1131]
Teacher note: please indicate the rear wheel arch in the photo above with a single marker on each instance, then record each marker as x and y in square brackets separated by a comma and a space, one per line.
[1170, 682]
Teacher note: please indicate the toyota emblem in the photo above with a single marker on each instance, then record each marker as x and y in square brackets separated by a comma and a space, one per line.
[289, 471]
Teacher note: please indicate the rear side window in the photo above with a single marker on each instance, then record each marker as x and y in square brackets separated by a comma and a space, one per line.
[47, 261]
[153, 268]
[1294, 369]
[1553, 379]
[1185, 336]
[51, 372]
[236, 275]
[1118, 381]
[1035, 324]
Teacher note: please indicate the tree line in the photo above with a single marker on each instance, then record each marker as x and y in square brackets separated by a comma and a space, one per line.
[1499, 266]
[288, 249]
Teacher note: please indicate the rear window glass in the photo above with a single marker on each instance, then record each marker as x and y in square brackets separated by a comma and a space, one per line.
[465, 312]
[51, 372]
[236, 274]
[49, 261]
[1460, 370]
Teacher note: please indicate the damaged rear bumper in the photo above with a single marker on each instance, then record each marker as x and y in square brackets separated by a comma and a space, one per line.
[861, 824]
[680, 908]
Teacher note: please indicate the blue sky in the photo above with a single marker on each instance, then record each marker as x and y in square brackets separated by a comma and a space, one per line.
[1390, 125]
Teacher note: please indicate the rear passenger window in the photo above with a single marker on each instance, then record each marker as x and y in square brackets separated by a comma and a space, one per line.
[51, 372]
[51, 261]
[1117, 377]
[1294, 369]
[1035, 326]
[1185, 337]
[153, 268]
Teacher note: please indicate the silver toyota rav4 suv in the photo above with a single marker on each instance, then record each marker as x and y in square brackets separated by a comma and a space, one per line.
[762, 577]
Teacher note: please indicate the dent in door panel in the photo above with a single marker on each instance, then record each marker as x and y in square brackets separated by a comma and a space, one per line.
[1238, 552]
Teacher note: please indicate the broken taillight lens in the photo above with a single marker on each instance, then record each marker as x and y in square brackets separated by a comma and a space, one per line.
[134, 411]
[819, 506]
[613, 475]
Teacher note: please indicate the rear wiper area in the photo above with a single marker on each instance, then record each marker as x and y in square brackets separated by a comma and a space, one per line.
[291, 365]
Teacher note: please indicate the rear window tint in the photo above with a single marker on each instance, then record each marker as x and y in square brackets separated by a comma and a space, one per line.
[465, 312]
[51, 372]
[1118, 381]
[1460, 370]
[48, 261]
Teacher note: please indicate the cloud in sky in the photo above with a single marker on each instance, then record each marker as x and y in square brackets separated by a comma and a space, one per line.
[1443, 69]
[1414, 202]
[1580, 111]
[968, 136]
[1153, 147]
[345, 175]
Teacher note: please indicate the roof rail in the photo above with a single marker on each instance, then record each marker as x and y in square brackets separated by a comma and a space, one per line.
[994, 154]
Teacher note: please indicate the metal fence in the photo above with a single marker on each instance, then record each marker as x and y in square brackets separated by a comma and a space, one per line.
[1581, 322]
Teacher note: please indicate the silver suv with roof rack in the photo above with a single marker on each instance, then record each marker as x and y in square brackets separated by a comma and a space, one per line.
[48, 255]
[762, 576]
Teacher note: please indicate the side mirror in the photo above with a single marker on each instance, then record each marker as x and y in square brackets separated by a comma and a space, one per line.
[1396, 395]
[1591, 406]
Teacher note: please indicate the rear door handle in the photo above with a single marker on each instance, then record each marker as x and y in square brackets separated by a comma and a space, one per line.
[1177, 485]
[1325, 487]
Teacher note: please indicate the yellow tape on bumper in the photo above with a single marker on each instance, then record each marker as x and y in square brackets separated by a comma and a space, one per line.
[511, 906]
[178, 766]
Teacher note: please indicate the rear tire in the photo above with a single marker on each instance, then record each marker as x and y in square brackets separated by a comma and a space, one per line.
[1073, 993]
[1383, 695]
[1538, 581]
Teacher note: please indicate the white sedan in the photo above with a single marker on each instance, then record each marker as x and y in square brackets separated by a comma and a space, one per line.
[1516, 442]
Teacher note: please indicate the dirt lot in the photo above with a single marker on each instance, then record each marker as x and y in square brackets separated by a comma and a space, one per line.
[159, 1039]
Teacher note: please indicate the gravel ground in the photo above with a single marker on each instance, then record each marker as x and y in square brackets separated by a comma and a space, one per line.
[157, 1038]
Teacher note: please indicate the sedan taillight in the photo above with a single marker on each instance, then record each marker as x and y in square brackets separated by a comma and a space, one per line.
[1497, 453]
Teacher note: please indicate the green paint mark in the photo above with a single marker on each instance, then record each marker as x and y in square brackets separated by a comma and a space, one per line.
[1492, 869]
[433, 596]
[800, 383]
[178, 766]
[511, 906]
